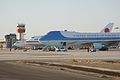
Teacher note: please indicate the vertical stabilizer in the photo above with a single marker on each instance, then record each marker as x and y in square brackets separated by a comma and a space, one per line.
[108, 28]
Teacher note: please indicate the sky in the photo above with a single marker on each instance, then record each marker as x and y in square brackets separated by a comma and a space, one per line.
[42, 16]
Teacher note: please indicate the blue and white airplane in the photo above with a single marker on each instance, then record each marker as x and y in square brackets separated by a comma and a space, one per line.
[100, 40]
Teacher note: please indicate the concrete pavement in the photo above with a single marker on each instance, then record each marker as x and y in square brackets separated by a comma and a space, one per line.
[10, 71]
[61, 56]
[38, 55]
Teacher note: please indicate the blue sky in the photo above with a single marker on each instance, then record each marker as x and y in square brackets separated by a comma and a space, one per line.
[41, 16]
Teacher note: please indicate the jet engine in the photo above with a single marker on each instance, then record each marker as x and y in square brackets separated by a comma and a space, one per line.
[97, 45]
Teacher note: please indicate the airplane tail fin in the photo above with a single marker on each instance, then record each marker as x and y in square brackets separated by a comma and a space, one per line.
[107, 28]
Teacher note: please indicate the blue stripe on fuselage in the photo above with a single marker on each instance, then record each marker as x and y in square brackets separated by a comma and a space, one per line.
[54, 35]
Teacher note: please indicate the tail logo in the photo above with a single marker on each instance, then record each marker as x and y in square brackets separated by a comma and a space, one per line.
[106, 30]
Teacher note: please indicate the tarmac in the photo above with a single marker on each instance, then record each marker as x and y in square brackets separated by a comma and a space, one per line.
[17, 71]
[61, 59]
[110, 72]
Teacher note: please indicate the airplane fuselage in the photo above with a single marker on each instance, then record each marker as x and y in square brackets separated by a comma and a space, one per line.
[61, 38]
[77, 36]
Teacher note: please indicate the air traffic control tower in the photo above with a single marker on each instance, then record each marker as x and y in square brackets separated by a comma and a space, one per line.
[21, 31]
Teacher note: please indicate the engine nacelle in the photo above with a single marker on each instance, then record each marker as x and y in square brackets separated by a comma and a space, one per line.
[97, 45]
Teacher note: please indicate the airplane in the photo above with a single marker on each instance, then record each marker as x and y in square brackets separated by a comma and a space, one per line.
[37, 40]
[32, 42]
[94, 41]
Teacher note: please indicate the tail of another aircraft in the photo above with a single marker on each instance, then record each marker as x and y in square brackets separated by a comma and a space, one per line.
[107, 28]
